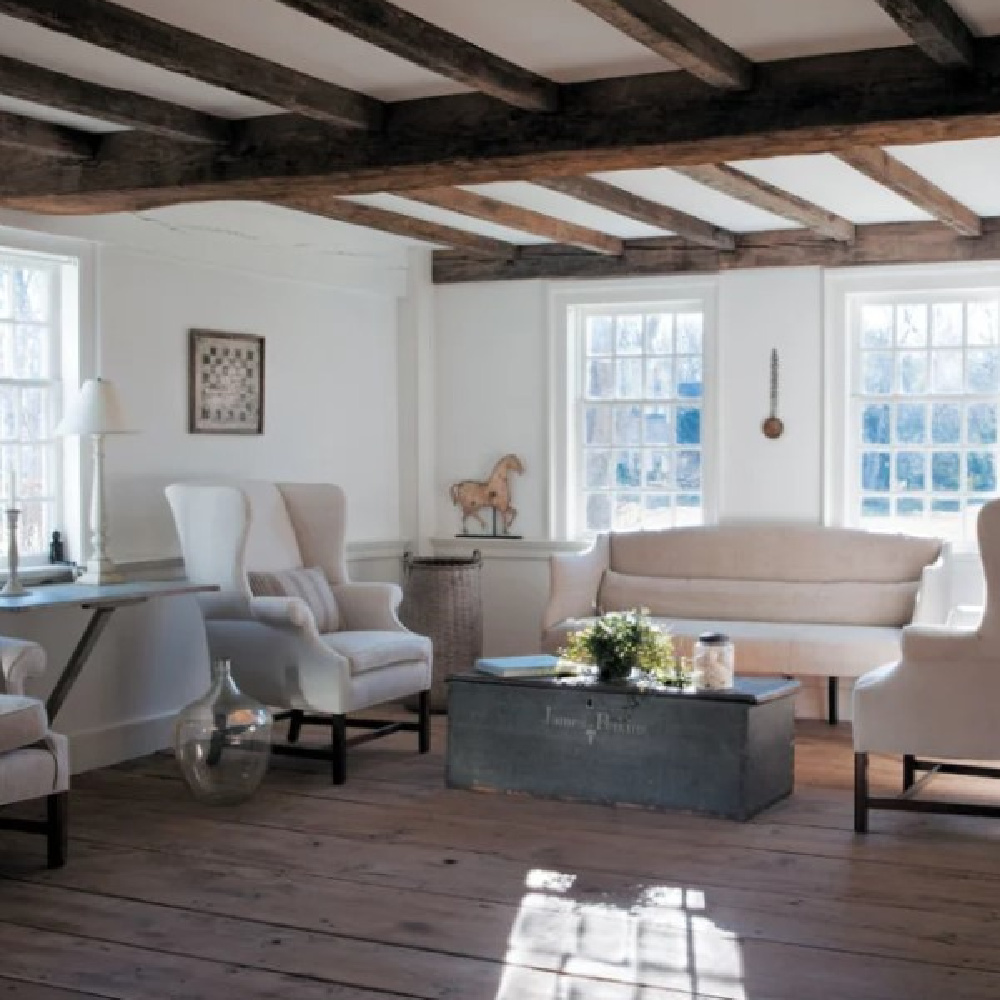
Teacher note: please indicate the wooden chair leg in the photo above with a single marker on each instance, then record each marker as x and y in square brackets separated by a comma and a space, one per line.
[424, 732]
[861, 793]
[295, 725]
[909, 771]
[57, 829]
[338, 748]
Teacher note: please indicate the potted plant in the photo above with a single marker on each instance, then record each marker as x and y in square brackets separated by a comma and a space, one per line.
[623, 641]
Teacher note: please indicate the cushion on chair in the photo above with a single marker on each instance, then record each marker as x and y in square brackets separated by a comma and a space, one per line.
[22, 722]
[372, 650]
[310, 585]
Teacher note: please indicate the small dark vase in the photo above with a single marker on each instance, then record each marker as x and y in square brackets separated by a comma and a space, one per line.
[614, 671]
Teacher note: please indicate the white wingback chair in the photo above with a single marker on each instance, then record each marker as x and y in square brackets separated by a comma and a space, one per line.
[279, 656]
[936, 705]
[34, 762]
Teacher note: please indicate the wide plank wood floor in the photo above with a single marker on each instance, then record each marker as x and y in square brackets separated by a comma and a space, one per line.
[393, 886]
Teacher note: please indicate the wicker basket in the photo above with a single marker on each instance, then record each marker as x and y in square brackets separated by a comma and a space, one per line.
[442, 599]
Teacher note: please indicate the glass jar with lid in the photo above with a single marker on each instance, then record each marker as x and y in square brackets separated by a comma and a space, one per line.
[714, 661]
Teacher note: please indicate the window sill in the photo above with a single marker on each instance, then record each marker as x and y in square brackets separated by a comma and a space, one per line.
[64, 573]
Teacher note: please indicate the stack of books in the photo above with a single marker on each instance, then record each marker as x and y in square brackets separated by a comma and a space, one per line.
[525, 666]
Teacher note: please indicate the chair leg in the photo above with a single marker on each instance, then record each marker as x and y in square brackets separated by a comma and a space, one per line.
[57, 829]
[295, 725]
[338, 747]
[909, 771]
[861, 793]
[424, 714]
[833, 715]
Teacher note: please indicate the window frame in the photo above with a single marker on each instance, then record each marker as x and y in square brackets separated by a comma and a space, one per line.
[565, 387]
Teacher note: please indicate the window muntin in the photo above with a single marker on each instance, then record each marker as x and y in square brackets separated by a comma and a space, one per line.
[30, 321]
[639, 415]
[923, 424]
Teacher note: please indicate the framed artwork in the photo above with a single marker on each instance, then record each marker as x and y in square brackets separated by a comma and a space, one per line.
[225, 383]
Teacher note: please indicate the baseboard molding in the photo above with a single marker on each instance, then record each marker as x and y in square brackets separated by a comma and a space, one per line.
[109, 745]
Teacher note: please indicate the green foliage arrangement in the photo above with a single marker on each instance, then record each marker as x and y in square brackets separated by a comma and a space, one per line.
[623, 641]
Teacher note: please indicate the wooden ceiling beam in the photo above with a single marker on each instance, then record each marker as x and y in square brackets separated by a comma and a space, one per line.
[633, 206]
[41, 139]
[896, 243]
[730, 181]
[502, 213]
[122, 107]
[418, 41]
[895, 175]
[129, 33]
[396, 224]
[935, 28]
[670, 34]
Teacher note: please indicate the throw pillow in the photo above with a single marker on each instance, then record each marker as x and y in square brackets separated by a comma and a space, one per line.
[311, 585]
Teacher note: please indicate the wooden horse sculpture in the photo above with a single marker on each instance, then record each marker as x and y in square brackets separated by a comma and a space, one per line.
[472, 495]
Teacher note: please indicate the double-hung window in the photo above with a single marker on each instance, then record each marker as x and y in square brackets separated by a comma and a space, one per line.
[922, 429]
[636, 452]
[30, 325]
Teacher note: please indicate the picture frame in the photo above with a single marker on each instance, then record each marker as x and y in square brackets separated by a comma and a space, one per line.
[225, 382]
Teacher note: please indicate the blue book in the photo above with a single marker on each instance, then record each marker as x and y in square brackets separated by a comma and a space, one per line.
[522, 666]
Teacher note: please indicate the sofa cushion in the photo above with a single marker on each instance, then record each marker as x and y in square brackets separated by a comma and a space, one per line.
[22, 722]
[372, 650]
[856, 603]
[794, 553]
[310, 585]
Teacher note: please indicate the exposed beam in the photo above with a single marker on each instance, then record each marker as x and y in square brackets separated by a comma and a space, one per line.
[502, 213]
[129, 33]
[418, 41]
[396, 224]
[56, 90]
[760, 194]
[42, 139]
[633, 206]
[811, 105]
[899, 243]
[934, 27]
[669, 33]
[895, 175]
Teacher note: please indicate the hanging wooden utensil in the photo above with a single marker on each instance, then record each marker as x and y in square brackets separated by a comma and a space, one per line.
[772, 426]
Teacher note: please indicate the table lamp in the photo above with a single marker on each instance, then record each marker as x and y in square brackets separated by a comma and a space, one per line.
[96, 411]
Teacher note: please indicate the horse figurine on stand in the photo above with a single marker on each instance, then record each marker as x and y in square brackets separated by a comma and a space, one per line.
[472, 496]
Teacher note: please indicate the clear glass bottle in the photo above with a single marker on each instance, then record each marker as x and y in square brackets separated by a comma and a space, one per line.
[714, 661]
[223, 741]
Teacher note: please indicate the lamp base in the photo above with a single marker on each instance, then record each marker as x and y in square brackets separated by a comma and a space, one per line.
[100, 572]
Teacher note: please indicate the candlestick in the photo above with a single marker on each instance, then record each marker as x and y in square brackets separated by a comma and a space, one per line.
[11, 487]
[13, 587]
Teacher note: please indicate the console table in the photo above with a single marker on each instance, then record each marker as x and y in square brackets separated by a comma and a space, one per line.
[727, 753]
[102, 600]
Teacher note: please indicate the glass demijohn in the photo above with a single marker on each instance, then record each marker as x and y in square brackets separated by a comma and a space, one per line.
[223, 741]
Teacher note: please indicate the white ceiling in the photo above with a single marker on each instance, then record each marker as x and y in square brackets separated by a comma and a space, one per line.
[562, 40]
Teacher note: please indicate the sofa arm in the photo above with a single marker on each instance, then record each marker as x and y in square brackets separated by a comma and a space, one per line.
[19, 660]
[574, 580]
[283, 613]
[933, 601]
[369, 606]
[942, 645]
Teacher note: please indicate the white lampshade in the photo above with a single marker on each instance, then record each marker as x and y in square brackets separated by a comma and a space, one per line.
[96, 410]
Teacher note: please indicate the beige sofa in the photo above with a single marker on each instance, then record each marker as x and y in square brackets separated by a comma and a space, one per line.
[799, 600]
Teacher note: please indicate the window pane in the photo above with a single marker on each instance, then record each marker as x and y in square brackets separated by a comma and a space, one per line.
[34, 414]
[982, 422]
[875, 471]
[6, 294]
[600, 379]
[946, 371]
[688, 425]
[31, 355]
[629, 378]
[628, 335]
[689, 510]
[912, 372]
[8, 413]
[876, 326]
[600, 338]
[911, 424]
[659, 467]
[6, 350]
[911, 325]
[982, 323]
[689, 330]
[658, 511]
[32, 480]
[876, 373]
[945, 471]
[33, 527]
[628, 468]
[689, 470]
[946, 324]
[910, 466]
[689, 377]
[908, 507]
[874, 507]
[946, 423]
[660, 334]
[628, 425]
[597, 470]
[875, 424]
[598, 511]
[982, 476]
[628, 511]
[597, 425]
[659, 378]
[31, 294]
[982, 371]
[945, 506]
[658, 425]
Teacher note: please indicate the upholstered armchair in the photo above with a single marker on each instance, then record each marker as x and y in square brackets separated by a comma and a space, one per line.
[309, 642]
[937, 705]
[34, 762]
